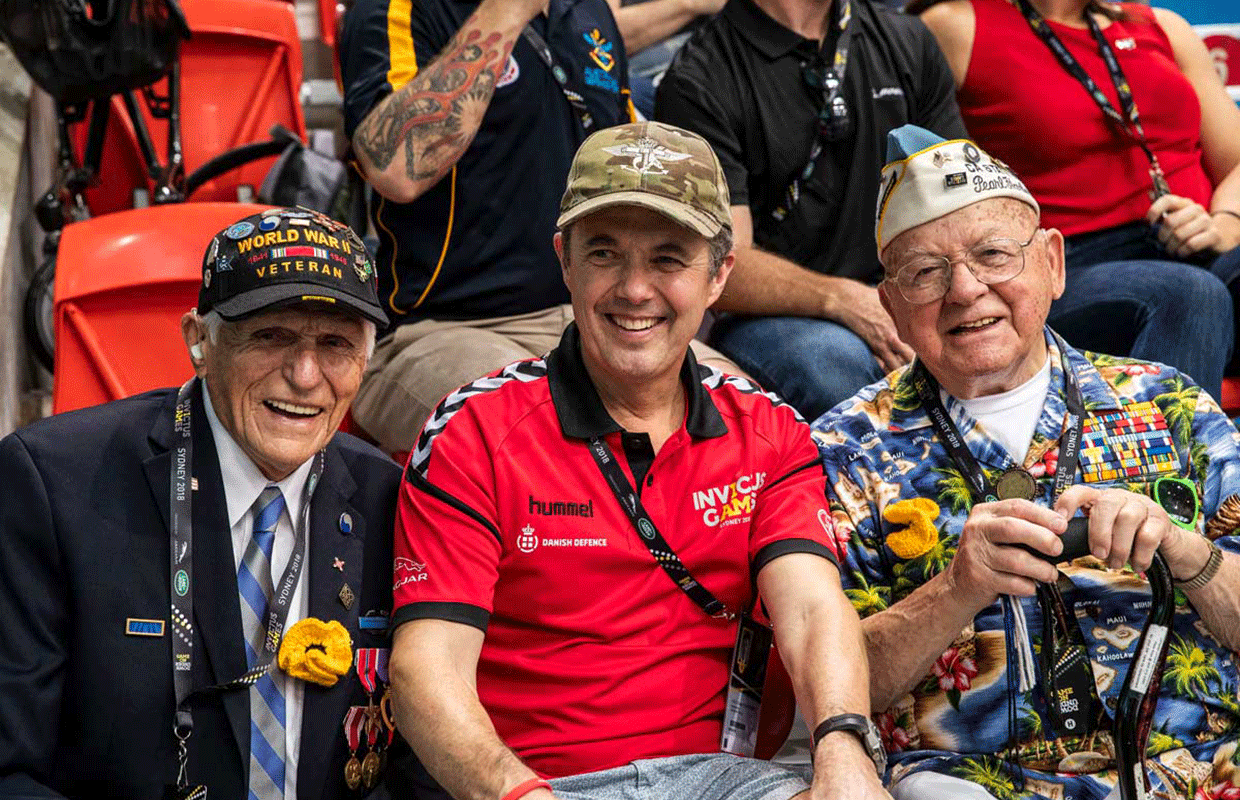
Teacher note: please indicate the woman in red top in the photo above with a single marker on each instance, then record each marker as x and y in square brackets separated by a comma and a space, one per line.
[1138, 200]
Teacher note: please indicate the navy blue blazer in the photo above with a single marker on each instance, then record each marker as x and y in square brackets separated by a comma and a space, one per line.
[86, 711]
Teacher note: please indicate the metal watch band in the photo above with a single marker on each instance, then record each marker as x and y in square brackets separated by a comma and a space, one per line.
[1207, 572]
[860, 726]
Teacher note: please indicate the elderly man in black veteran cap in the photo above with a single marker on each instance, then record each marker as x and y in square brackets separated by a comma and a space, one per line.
[195, 582]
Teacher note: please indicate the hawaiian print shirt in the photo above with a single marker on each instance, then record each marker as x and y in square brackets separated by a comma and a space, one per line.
[899, 505]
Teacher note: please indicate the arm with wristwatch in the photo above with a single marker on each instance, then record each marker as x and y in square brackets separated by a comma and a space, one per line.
[820, 642]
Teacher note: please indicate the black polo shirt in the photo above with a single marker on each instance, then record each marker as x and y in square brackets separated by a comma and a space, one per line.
[739, 83]
[478, 244]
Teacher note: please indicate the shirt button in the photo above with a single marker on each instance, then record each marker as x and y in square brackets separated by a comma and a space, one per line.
[650, 480]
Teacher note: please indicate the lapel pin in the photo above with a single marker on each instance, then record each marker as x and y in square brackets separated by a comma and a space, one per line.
[345, 596]
[144, 627]
[338, 563]
[346, 523]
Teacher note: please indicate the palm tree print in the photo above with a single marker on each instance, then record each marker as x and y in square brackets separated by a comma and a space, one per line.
[1178, 406]
[1189, 670]
[867, 599]
[988, 773]
[936, 559]
[1199, 459]
[953, 490]
[906, 398]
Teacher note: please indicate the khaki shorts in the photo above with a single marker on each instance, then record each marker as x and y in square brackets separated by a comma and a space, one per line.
[417, 364]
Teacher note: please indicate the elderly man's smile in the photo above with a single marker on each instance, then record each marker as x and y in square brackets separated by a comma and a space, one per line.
[292, 410]
[985, 323]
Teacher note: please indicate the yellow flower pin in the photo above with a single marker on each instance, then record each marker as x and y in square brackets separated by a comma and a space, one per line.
[316, 651]
[919, 515]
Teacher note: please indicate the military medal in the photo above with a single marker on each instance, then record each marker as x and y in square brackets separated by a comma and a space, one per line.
[385, 702]
[370, 769]
[353, 722]
[1016, 484]
[367, 672]
[370, 764]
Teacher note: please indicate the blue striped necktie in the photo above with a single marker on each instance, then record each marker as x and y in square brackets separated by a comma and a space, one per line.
[266, 700]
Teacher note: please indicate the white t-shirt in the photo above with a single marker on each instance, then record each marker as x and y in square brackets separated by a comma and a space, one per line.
[1010, 418]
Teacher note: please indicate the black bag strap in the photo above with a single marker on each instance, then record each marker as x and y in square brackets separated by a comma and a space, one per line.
[833, 114]
[575, 98]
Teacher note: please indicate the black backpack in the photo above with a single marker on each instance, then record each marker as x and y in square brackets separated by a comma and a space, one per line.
[79, 50]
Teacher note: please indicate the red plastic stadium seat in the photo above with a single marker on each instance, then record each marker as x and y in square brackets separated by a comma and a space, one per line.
[122, 283]
[1223, 42]
[241, 73]
[1230, 401]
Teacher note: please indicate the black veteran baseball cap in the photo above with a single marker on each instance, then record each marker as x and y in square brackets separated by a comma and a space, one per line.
[284, 256]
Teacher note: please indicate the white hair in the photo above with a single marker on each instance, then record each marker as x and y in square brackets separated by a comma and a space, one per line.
[212, 323]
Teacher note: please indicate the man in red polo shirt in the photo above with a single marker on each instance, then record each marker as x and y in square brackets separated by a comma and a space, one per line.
[556, 623]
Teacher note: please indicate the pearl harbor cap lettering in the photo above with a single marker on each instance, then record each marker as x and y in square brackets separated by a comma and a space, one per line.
[928, 177]
[652, 165]
[288, 255]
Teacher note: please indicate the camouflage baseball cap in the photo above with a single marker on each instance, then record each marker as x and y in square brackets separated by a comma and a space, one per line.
[652, 165]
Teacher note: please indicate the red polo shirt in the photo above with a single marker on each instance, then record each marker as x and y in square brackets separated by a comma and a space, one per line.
[593, 657]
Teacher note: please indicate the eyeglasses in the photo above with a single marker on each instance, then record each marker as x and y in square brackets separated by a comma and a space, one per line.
[927, 278]
[834, 121]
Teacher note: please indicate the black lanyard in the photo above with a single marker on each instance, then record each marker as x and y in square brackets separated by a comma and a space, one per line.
[575, 99]
[1122, 87]
[649, 534]
[1065, 661]
[182, 584]
[980, 486]
[832, 104]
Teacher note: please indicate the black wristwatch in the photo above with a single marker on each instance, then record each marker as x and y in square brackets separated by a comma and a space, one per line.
[860, 726]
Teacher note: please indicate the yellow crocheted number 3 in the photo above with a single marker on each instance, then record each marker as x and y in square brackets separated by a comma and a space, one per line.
[919, 515]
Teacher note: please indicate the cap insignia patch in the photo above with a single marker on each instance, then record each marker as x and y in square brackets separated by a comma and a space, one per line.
[647, 154]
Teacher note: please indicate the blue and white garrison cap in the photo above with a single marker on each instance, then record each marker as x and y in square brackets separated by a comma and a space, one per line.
[928, 177]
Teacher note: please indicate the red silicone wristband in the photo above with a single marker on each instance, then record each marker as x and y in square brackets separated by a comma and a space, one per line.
[522, 789]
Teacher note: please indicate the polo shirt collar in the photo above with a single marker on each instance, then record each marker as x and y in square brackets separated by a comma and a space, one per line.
[769, 37]
[581, 412]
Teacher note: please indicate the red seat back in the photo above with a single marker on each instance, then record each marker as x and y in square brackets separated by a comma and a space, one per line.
[1223, 42]
[122, 283]
[241, 73]
[1230, 401]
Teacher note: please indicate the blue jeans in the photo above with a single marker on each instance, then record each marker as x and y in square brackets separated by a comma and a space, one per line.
[811, 363]
[1124, 296]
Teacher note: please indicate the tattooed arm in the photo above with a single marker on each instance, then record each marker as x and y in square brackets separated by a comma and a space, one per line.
[417, 134]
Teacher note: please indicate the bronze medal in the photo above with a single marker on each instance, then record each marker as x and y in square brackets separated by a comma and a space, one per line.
[370, 769]
[353, 773]
[1016, 484]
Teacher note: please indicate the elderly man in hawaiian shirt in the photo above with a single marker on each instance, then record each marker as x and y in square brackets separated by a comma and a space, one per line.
[940, 469]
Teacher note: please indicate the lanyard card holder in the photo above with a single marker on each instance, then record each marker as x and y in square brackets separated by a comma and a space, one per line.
[752, 650]
[746, 679]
